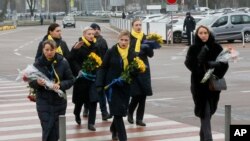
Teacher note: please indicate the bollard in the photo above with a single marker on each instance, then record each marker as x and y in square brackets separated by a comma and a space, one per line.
[62, 128]
[243, 39]
[227, 122]
[191, 36]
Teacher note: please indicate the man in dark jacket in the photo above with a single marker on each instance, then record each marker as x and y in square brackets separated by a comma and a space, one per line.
[189, 26]
[102, 47]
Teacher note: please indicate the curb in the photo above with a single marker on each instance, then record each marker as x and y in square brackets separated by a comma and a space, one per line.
[7, 27]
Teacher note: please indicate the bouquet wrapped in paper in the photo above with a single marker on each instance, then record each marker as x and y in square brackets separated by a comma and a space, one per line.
[228, 53]
[31, 73]
[89, 66]
[153, 40]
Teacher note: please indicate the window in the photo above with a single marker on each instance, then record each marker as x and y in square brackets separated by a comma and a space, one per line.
[221, 21]
[246, 19]
[236, 19]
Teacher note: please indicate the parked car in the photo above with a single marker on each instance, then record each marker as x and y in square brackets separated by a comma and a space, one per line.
[68, 21]
[229, 26]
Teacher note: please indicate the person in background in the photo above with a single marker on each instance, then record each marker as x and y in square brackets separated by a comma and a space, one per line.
[54, 33]
[123, 15]
[141, 86]
[102, 47]
[189, 26]
[48, 104]
[84, 90]
[200, 57]
[115, 61]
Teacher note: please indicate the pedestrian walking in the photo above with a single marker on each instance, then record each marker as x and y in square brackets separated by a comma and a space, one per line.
[49, 105]
[102, 47]
[200, 57]
[189, 26]
[84, 90]
[141, 86]
[54, 33]
[115, 61]
[54, 18]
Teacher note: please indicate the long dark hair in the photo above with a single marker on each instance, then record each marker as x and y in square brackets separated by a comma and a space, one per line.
[52, 27]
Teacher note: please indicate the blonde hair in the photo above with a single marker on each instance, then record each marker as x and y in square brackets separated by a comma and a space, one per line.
[85, 29]
[124, 33]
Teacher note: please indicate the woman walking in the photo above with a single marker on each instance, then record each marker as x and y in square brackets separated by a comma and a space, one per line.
[200, 57]
[84, 90]
[115, 61]
[48, 104]
[141, 85]
[54, 33]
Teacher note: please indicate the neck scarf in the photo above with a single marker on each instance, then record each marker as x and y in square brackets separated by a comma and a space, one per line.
[53, 61]
[58, 49]
[87, 42]
[124, 55]
[139, 37]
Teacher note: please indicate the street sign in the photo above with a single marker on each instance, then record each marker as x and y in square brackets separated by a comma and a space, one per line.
[170, 1]
[172, 7]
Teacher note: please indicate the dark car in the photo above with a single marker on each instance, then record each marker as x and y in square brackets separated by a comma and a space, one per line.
[69, 21]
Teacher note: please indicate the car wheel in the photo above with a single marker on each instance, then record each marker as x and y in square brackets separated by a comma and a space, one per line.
[177, 37]
[230, 41]
[74, 26]
[247, 36]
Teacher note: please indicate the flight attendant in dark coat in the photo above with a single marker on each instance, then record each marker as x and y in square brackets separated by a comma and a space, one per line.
[115, 61]
[200, 57]
[48, 104]
[84, 90]
[141, 86]
[54, 33]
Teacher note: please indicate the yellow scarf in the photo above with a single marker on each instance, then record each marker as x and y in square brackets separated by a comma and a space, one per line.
[139, 37]
[124, 54]
[87, 42]
[58, 49]
[57, 77]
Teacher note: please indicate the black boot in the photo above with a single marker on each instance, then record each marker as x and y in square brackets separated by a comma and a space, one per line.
[140, 123]
[130, 118]
[78, 119]
[91, 127]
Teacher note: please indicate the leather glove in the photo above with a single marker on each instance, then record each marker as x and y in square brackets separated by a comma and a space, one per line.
[202, 56]
[213, 64]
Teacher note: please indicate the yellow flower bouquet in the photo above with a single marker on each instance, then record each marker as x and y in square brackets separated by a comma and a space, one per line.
[136, 66]
[89, 66]
[154, 40]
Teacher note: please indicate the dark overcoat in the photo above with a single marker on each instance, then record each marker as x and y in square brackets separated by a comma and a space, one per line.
[59, 42]
[142, 83]
[48, 104]
[84, 90]
[102, 45]
[111, 69]
[200, 92]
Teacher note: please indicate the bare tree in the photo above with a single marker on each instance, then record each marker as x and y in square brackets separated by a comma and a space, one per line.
[32, 6]
[4, 10]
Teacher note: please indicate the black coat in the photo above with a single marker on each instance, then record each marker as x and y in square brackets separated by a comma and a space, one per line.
[59, 42]
[84, 90]
[101, 45]
[142, 83]
[49, 105]
[200, 92]
[111, 69]
[189, 24]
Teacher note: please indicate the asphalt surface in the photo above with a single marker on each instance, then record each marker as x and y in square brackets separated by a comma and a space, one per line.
[170, 79]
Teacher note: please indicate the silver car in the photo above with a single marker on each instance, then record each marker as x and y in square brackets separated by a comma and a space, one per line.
[69, 21]
[230, 27]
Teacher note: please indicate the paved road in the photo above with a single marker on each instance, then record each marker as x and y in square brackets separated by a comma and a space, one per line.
[170, 79]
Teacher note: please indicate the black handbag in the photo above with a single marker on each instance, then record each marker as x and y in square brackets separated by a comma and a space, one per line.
[217, 84]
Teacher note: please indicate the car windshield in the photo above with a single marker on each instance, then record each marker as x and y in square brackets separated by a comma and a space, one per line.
[68, 18]
[207, 21]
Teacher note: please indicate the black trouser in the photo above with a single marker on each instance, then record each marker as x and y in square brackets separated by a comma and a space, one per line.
[139, 101]
[205, 130]
[118, 127]
[92, 111]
